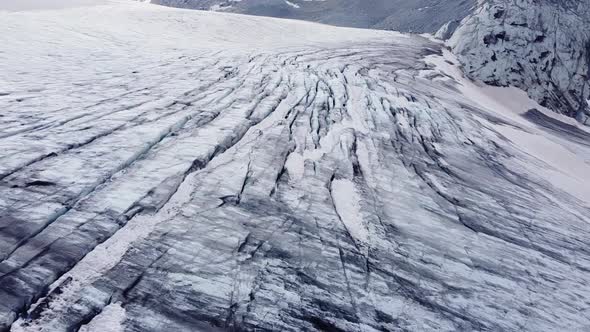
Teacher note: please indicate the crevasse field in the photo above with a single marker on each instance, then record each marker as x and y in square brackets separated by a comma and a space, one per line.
[173, 170]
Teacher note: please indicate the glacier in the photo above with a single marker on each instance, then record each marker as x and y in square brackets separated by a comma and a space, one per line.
[168, 169]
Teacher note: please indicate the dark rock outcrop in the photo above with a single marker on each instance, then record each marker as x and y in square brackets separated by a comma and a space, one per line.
[541, 46]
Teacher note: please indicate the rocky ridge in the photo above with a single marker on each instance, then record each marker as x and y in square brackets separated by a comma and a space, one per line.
[399, 15]
[541, 46]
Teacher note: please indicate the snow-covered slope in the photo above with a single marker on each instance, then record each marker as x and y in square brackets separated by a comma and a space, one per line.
[166, 169]
[542, 46]
[398, 15]
[35, 5]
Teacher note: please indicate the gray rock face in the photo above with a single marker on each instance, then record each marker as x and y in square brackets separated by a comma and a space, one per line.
[273, 175]
[447, 30]
[399, 15]
[542, 47]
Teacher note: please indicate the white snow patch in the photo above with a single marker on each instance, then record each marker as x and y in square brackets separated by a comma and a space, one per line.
[294, 5]
[295, 165]
[566, 170]
[109, 320]
[347, 203]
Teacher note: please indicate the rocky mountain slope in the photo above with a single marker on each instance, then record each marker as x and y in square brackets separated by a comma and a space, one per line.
[399, 15]
[177, 170]
[541, 46]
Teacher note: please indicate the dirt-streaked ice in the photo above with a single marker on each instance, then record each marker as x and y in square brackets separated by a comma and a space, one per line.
[166, 169]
